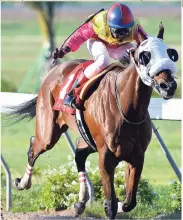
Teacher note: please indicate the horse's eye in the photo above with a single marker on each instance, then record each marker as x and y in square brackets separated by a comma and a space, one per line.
[172, 53]
[144, 57]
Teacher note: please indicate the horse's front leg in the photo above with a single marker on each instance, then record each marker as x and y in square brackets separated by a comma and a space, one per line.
[132, 177]
[107, 164]
[81, 154]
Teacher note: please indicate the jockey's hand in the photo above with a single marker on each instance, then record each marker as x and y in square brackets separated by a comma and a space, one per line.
[58, 53]
[126, 57]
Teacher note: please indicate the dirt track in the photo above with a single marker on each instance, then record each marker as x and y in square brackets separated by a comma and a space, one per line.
[61, 215]
[39, 215]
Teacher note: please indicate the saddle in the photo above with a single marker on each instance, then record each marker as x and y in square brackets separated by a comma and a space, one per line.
[86, 89]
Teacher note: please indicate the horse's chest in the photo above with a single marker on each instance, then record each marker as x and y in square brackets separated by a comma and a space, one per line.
[131, 141]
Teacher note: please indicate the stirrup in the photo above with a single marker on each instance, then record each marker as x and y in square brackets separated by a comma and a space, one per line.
[68, 100]
[71, 102]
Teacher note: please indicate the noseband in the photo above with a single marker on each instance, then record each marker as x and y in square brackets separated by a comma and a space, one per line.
[120, 108]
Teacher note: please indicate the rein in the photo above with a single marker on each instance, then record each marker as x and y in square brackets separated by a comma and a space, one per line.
[120, 108]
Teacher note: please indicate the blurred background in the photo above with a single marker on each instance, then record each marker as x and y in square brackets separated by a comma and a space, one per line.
[31, 31]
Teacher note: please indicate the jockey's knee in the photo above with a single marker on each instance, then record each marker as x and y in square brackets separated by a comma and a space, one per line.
[102, 61]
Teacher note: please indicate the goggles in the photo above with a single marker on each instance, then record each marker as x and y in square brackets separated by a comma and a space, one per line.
[121, 31]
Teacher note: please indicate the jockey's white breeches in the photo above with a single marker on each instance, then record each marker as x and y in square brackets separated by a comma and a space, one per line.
[102, 55]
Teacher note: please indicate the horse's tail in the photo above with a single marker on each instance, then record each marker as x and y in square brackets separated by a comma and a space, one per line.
[24, 111]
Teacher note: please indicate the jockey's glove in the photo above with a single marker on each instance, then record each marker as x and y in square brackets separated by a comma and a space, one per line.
[126, 58]
[60, 52]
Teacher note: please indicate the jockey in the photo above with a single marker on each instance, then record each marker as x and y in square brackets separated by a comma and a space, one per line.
[108, 34]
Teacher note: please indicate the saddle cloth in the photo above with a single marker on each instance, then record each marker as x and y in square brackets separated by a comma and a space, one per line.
[69, 81]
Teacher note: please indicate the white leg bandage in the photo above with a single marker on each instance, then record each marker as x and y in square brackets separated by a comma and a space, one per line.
[83, 191]
[120, 210]
[27, 177]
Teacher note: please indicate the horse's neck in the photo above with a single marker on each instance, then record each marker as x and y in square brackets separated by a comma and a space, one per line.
[142, 97]
[134, 94]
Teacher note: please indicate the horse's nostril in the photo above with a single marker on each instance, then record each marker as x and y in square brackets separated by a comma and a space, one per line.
[163, 86]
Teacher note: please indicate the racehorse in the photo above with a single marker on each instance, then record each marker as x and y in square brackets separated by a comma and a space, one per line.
[116, 114]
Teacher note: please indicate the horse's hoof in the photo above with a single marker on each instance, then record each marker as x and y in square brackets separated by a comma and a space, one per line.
[110, 209]
[128, 207]
[79, 208]
[16, 184]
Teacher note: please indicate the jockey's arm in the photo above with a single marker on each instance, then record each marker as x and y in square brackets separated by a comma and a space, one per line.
[84, 33]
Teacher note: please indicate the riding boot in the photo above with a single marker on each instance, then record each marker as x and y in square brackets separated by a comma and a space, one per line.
[70, 100]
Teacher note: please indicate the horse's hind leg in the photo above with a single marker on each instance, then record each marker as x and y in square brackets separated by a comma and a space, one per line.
[48, 133]
[81, 154]
[25, 181]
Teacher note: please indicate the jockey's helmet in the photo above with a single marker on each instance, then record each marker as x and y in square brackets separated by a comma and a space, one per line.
[120, 20]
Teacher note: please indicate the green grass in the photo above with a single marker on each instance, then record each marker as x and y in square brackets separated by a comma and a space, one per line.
[23, 201]
[157, 167]
[66, 26]
[28, 201]
[15, 144]
[142, 211]
[18, 54]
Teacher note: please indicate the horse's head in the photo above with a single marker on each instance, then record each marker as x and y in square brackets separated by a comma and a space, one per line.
[156, 64]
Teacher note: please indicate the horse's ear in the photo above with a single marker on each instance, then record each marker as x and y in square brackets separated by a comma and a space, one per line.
[161, 31]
